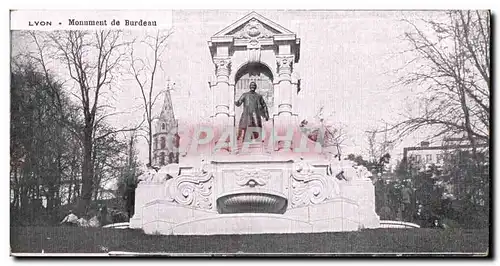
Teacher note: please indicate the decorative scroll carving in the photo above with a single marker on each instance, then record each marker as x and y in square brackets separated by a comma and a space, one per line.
[191, 189]
[253, 30]
[311, 187]
[285, 63]
[222, 66]
[252, 177]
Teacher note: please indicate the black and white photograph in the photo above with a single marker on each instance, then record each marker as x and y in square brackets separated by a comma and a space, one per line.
[239, 132]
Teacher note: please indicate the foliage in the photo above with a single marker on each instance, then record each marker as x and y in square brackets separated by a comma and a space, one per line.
[130, 171]
[375, 166]
[450, 67]
[44, 153]
[454, 191]
[46, 149]
[92, 60]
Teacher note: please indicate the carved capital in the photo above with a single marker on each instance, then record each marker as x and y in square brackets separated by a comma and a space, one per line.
[285, 64]
[222, 66]
[252, 177]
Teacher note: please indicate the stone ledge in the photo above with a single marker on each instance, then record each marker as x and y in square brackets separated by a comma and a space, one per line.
[243, 223]
[397, 224]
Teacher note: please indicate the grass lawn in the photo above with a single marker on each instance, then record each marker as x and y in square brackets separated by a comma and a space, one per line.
[100, 240]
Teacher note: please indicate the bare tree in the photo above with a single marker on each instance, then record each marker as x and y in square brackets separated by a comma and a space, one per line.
[93, 62]
[334, 137]
[452, 61]
[327, 131]
[377, 146]
[145, 71]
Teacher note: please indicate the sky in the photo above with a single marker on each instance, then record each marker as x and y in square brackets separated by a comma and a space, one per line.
[347, 64]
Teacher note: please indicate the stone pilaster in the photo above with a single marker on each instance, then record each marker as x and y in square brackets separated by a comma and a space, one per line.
[284, 84]
[283, 120]
[221, 93]
[222, 121]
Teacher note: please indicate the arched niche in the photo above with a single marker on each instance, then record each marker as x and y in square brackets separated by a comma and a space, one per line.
[262, 76]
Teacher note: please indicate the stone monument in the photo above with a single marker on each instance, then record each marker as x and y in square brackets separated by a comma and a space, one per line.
[278, 183]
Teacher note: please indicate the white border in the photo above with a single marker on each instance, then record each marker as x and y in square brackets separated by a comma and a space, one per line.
[158, 4]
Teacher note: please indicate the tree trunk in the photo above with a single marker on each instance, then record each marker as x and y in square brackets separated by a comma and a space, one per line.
[73, 187]
[87, 171]
[70, 187]
[150, 141]
[468, 127]
[77, 190]
[96, 174]
[96, 193]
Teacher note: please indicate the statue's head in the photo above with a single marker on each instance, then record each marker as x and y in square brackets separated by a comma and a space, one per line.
[253, 86]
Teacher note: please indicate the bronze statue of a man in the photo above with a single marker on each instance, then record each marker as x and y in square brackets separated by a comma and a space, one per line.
[254, 109]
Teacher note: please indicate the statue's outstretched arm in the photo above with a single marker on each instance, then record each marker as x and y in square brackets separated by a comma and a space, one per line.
[240, 101]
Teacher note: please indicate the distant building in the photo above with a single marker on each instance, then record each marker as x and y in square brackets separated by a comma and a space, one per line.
[426, 155]
[423, 157]
[165, 134]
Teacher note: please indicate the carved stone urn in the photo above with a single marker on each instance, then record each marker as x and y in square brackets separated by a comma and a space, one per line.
[249, 190]
[251, 203]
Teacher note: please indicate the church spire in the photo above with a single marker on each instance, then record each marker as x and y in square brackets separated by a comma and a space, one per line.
[165, 137]
[167, 111]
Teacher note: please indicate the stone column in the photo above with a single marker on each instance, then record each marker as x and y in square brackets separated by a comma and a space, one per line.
[221, 89]
[222, 120]
[283, 88]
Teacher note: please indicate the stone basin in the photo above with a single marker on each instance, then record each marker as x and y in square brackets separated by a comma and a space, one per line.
[251, 202]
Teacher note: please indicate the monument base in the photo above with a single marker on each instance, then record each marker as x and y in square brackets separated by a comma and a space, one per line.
[164, 218]
[254, 194]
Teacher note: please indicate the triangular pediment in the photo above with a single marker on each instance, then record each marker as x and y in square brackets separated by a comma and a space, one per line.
[253, 25]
